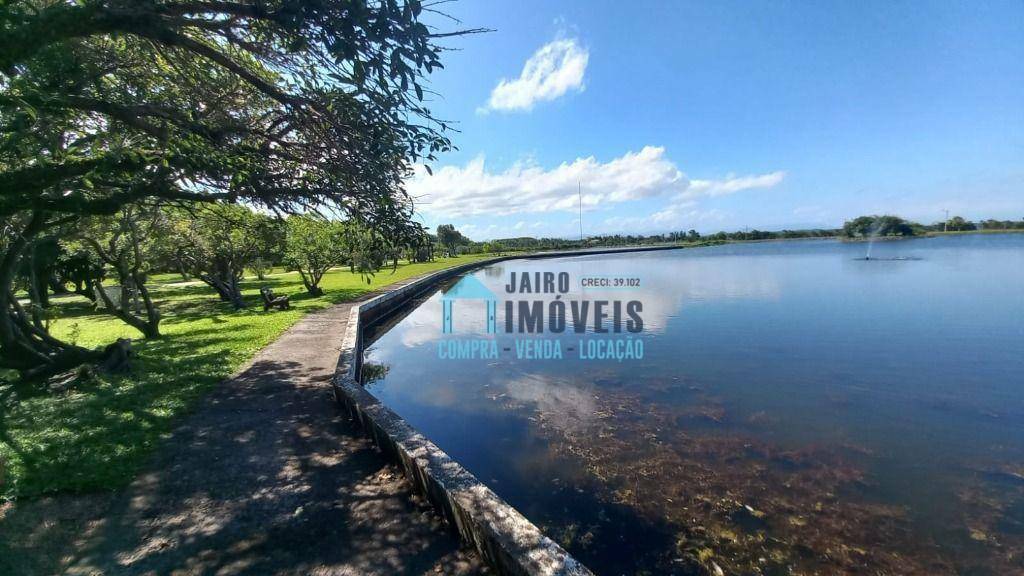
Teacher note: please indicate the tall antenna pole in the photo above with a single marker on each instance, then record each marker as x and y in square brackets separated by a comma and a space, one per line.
[579, 190]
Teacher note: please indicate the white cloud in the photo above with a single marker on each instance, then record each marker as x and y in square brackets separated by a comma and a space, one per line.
[732, 184]
[553, 70]
[681, 211]
[472, 190]
[521, 225]
[673, 217]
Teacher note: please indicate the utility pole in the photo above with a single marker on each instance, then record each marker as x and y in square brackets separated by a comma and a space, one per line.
[945, 223]
[579, 191]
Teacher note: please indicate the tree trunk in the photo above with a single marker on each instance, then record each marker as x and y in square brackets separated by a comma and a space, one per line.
[85, 290]
[183, 271]
[150, 327]
[152, 314]
[38, 298]
[24, 346]
[227, 289]
[56, 286]
[116, 356]
[311, 282]
[37, 286]
[127, 265]
[235, 293]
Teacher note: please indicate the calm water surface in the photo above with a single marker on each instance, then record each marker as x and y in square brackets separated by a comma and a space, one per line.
[796, 411]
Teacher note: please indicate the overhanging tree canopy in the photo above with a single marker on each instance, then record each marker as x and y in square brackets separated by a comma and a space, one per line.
[282, 104]
[286, 104]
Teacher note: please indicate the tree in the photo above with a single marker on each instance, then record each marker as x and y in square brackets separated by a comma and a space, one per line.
[260, 266]
[418, 244]
[869, 226]
[270, 248]
[313, 245]
[80, 267]
[450, 238]
[283, 104]
[123, 242]
[958, 224]
[39, 267]
[859, 227]
[217, 243]
[366, 250]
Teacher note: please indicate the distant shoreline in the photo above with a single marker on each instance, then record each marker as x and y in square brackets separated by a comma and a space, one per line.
[983, 231]
[930, 234]
[707, 243]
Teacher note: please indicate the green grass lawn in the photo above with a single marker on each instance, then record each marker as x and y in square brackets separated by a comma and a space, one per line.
[96, 436]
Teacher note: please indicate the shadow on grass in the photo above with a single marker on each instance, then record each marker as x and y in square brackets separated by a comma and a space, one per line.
[100, 432]
[190, 311]
[92, 440]
[96, 436]
[266, 477]
[75, 307]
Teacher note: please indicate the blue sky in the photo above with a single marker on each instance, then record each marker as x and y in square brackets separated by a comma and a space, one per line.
[725, 115]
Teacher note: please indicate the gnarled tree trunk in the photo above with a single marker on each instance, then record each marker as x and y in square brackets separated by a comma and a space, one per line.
[226, 286]
[150, 326]
[127, 261]
[25, 345]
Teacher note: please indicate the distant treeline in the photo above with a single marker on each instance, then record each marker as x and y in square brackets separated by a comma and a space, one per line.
[527, 243]
[451, 241]
[958, 224]
[875, 226]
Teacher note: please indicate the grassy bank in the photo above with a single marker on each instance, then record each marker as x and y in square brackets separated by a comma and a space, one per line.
[97, 436]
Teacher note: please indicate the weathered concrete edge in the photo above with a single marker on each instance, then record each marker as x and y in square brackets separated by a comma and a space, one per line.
[504, 537]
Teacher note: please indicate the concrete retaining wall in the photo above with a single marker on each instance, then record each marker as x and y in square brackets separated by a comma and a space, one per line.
[504, 538]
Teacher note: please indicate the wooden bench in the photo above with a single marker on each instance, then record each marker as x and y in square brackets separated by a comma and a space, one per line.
[270, 301]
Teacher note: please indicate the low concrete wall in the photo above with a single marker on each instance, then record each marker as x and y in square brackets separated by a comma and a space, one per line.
[504, 538]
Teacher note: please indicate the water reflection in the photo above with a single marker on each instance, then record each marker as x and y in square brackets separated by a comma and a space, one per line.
[664, 291]
[562, 405]
[797, 410]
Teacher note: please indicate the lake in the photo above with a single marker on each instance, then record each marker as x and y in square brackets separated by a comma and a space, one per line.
[796, 409]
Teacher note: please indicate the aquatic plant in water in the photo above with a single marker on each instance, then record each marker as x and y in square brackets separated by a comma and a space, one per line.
[744, 506]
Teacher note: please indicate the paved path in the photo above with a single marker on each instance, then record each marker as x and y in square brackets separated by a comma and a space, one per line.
[269, 477]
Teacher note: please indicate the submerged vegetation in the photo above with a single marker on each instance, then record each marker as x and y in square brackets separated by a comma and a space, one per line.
[738, 505]
[154, 153]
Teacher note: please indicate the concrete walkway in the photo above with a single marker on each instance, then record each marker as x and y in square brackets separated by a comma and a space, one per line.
[268, 477]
